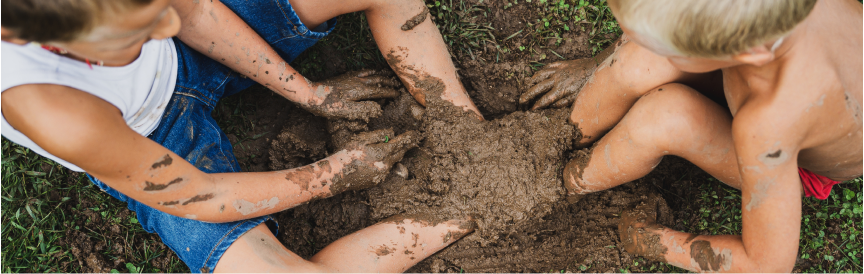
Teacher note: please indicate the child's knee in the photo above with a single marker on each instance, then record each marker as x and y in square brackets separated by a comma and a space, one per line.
[638, 69]
[667, 113]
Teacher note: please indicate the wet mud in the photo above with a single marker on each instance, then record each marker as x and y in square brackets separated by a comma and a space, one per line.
[505, 172]
[416, 20]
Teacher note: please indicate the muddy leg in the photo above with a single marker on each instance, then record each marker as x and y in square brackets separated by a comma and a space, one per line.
[623, 78]
[408, 39]
[670, 120]
[414, 48]
[391, 246]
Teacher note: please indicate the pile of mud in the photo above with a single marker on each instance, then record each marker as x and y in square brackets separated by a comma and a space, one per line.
[505, 172]
[502, 172]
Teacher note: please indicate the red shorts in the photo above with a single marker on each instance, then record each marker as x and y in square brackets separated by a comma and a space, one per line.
[816, 185]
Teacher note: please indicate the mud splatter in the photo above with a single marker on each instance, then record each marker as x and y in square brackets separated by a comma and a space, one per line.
[703, 255]
[246, 207]
[149, 186]
[164, 161]
[774, 158]
[416, 20]
[383, 250]
[199, 198]
[639, 231]
[169, 203]
[760, 192]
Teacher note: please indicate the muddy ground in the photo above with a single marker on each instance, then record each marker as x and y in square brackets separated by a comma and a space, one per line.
[505, 171]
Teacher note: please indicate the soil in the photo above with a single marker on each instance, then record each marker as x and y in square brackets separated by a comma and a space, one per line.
[505, 172]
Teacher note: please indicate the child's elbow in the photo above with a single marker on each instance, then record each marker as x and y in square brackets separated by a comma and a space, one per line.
[770, 264]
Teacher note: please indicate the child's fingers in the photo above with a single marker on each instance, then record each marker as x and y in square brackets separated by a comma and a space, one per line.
[401, 144]
[365, 73]
[540, 76]
[382, 80]
[555, 65]
[566, 102]
[550, 98]
[370, 93]
[372, 137]
[370, 72]
[536, 90]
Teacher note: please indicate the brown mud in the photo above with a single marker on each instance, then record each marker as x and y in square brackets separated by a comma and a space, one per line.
[504, 172]
[416, 20]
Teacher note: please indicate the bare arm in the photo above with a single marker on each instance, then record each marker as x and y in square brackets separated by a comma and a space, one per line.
[212, 29]
[90, 133]
[767, 150]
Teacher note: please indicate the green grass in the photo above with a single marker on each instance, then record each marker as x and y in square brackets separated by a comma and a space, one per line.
[830, 239]
[42, 200]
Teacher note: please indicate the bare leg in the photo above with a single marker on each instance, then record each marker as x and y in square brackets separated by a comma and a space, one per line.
[672, 119]
[622, 79]
[417, 54]
[389, 246]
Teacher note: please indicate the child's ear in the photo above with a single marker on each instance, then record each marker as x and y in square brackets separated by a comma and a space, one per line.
[757, 56]
[9, 36]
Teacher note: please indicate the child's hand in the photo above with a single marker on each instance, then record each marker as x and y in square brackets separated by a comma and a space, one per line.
[561, 81]
[378, 150]
[344, 96]
[639, 230]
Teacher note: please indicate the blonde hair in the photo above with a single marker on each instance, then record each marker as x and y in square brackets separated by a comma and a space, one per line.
[58, 20]
[711, 28]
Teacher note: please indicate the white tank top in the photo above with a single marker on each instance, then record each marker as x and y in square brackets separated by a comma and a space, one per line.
[140, 90]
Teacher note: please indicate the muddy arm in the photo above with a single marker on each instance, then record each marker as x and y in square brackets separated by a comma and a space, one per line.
[212, 29]
[771, 209]
[224, 197]
[92, 134]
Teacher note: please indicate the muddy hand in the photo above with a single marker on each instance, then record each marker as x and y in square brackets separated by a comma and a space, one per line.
[346, 96]
[379, 150]
[639, 231]
[560, 82]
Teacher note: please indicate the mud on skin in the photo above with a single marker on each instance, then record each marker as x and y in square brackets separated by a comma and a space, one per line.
[345, 95]
[380, 154]
[502, 154]
[416, 20]
[638, 228]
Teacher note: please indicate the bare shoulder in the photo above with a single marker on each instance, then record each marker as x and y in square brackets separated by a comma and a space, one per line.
[820, 106]
[60, 119]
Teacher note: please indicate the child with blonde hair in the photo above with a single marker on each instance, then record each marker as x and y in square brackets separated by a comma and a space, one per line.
[110, 91]
[790, 73]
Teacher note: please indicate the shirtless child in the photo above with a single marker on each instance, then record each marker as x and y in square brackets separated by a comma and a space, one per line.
[791, 73]
[110, 92]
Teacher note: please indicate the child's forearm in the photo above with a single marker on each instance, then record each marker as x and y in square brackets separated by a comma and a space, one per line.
[225, 197]
[721, 253]
[217, 32]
